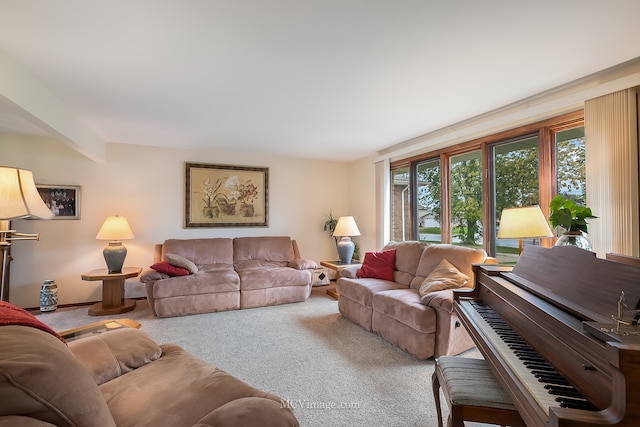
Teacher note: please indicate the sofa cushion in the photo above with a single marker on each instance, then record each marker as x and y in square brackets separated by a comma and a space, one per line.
[361, 291]
[267, 248]
[180, 261]
[460, 256]
[40, 378]
[378, 265]
[109, 355]
[445, 276]
[404, 305]
[272, 276]
[407, 259]
[201, 251]
[208, 280]
[168, 269]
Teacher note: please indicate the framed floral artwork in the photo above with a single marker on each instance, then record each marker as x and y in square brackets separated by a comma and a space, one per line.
[62, 200]
[226, 196]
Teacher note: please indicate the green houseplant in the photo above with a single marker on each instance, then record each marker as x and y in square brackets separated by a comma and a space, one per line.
[572, 218]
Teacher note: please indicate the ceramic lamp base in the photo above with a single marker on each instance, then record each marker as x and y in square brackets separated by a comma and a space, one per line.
[345, 250]
[114, 256]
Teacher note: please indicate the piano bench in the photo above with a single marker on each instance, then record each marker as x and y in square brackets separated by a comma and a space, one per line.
[472, 393]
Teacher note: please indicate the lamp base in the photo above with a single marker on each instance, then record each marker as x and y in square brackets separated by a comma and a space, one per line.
[114, 256]
[345, 250]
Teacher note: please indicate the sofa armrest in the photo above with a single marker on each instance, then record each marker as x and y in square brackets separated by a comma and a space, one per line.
[110, 354]
[150, 275]
[439, 300]
[303, 264]
[350, 272]
[249, 412]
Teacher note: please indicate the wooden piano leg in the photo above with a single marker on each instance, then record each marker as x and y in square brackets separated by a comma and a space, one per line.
[435, 383]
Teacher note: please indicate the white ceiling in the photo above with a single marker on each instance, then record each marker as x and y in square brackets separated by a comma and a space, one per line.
[327, 79]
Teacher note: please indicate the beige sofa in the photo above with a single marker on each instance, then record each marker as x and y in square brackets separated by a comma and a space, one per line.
[395, 310]
[242, 272]
[121, 378]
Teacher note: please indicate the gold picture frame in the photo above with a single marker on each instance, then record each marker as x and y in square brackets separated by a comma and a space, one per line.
[226, 196]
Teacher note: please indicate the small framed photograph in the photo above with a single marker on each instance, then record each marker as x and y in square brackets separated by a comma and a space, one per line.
[62, 200]
[226, 196]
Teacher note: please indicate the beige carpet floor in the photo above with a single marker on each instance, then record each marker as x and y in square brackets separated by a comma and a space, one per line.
[332, 372]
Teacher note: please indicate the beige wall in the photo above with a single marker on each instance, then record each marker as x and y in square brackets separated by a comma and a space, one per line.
[147, 186]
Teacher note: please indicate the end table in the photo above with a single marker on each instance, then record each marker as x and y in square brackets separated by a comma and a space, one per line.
[113, 301]
[336, 266]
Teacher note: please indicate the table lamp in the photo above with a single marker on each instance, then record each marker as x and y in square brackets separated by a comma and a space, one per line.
[345, 228]
[526, 222]
[115, 229]
[19, 198]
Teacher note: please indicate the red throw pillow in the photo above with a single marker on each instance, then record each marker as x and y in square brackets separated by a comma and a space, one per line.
[12, 315]
[378, 265]
[170, 270]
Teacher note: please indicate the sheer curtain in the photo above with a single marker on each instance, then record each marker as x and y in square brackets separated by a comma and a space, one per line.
[611, 143]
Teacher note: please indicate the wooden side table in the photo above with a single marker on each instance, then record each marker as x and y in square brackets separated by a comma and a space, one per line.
[113, 301]
[337, 267]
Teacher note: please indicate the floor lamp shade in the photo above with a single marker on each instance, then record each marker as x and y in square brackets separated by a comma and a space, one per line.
[115, 229]
[345, 228]
[527, 222]
[19, 198]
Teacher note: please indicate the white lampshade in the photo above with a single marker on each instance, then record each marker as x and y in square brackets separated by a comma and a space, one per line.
[115, 228]
[525, 222]
[19, 196]
[346, 226]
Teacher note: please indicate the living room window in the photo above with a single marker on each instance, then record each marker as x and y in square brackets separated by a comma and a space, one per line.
[428, 198]
[456, 194]
[465, 195]
[516, 182]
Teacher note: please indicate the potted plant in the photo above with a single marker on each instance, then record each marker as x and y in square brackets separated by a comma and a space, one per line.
[572, 218]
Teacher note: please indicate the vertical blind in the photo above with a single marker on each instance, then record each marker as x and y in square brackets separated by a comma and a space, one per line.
[611, 143]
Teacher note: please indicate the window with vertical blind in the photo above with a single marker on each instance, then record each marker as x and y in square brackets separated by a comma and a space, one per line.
[456, 195]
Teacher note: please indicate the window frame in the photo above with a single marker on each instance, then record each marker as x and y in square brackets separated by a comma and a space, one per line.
[546, 130]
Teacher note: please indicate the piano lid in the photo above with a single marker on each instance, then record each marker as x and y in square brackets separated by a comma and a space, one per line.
[576, 281]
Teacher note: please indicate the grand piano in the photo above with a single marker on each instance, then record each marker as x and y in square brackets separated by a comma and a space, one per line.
[558, 331]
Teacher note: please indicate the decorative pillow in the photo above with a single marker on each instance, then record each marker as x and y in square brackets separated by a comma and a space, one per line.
[180, 261]
[378, 265]
[12, 315]
[445, 276]
[150, 275]
[170, 270]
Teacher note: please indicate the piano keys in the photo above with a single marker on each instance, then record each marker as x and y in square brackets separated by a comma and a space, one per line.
[534, 327]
